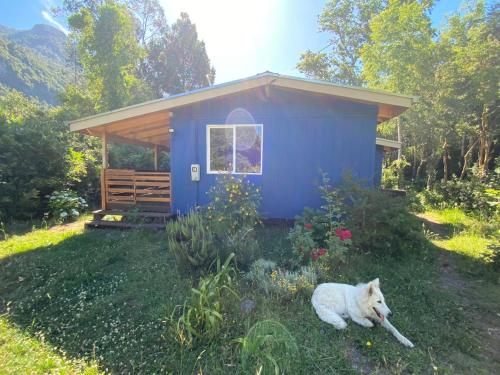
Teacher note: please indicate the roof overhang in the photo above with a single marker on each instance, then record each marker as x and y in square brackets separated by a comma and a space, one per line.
[389, 105]
[388, 145]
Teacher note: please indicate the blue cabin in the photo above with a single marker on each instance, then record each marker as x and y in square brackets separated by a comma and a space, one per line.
[279, 132]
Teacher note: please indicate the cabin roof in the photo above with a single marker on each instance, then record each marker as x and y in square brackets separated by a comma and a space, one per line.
[389, 105]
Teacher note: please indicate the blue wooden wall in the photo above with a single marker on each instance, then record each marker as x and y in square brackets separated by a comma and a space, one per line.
[379, 158]
[303, 134]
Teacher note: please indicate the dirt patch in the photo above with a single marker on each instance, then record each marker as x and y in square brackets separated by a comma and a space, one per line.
[359, 363]
[67, 227]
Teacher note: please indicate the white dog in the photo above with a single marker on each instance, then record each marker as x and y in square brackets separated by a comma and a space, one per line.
[363, 303]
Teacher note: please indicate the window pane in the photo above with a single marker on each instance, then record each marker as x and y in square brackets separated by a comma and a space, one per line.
[248, 149]
[221, 149]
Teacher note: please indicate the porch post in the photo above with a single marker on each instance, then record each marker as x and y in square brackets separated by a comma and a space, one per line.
[104, 194]
[104, 141]
[155, 156]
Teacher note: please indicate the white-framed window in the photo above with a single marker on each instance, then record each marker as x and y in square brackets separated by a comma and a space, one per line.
[235, 149]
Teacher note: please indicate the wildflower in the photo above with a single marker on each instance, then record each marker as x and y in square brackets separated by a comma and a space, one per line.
[308, 226]
[343, 234]
[369, 344]
[321, 251]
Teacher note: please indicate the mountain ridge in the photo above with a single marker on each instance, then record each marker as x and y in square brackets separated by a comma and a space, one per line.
[34, 61]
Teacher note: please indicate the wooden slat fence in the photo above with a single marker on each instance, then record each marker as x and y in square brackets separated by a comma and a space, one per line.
[128, 187]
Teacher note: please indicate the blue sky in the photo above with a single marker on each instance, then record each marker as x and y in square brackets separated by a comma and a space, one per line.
[242, 37]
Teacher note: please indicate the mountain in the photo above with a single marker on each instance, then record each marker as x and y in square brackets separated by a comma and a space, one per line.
[34, 62]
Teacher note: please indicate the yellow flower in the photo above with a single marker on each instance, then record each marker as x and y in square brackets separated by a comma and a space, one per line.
[369, 344]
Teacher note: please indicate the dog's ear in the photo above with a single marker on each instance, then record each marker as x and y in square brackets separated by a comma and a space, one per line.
[369, 288]
[376, 283]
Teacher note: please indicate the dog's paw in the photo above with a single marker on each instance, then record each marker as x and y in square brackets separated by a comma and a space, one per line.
[341, 325]
[407, 343]
[369, 324]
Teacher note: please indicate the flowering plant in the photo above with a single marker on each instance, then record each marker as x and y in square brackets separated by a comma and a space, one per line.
[233, 215]
[234, 203]
[318, 235]
[65, 205]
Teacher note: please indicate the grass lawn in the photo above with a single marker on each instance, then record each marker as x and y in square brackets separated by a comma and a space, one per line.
[75, 301]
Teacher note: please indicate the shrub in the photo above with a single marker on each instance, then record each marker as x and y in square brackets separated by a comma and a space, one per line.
[302, 242]
[191, 241]
[234, 204]
[318, 235]
[317, 223]
[233, 216]
[65, 205]
[492, 257]
[242, 242]
[201, 317]
[284, 284]
[380, 223]
[474, 195]
[268, 347]
[471, 195]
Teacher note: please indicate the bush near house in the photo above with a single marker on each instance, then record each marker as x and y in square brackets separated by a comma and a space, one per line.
[380, 223]
[226, 226]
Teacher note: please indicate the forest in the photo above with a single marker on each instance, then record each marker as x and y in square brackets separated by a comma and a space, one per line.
[125, 52]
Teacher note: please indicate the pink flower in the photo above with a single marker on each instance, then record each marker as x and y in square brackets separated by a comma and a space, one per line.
[343, 234]
[308, 226]
[321, 251]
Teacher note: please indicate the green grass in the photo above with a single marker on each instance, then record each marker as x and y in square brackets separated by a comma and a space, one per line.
[466, 235]
[79, 299]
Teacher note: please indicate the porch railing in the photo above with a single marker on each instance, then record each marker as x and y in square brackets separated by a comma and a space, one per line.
[126, 187]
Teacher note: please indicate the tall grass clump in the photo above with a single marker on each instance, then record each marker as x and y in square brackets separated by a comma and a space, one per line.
[268, 348]
[201, 316]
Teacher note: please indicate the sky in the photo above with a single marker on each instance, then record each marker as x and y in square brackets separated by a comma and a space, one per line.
[242, 37]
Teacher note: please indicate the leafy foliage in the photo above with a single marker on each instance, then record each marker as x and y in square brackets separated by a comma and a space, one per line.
[268, 348]
[178, 60]
[282, 283]
[201, 318]
[347, 24]
[191, 241]
[472, 196]
[380, 223]
[319, 235]
[233, 216]
[36, 157]
[65, 205]
[109, 52]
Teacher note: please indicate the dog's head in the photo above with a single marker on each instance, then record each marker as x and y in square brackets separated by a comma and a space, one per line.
[373, 302]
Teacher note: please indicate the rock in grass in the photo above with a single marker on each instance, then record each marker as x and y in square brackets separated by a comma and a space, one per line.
[247, 306]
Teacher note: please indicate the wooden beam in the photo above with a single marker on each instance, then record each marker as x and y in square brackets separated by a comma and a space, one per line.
[136, 122]
[155, 156]
[155, 125]
[104, 142]
[132, 141]
[142, 134]
[103, 189]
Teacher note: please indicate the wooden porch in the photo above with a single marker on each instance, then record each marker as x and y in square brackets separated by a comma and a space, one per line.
[132, 198]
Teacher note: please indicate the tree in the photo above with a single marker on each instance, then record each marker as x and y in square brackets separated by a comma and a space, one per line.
[109, 54]
[347, 22]
[401, 56]
[178, 61]
[469, 78]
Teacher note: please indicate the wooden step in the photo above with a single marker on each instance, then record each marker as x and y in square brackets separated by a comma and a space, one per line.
[99, 214]
[122, 225]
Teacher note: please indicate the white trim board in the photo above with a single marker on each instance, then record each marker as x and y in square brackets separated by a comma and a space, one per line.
[394, 145]
[398, 103]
